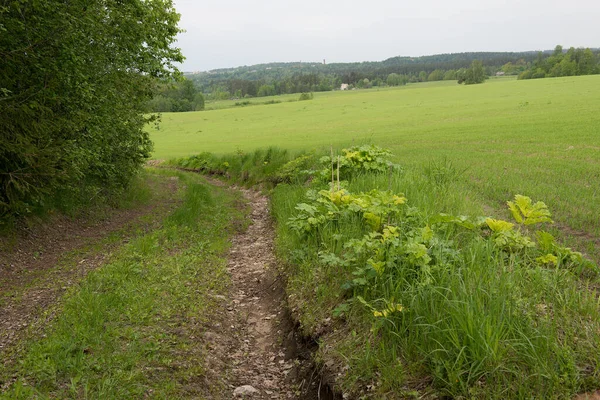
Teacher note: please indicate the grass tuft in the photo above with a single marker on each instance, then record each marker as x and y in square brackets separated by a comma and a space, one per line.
[127, 330]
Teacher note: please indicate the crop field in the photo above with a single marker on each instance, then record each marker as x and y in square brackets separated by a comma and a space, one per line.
[538, 137]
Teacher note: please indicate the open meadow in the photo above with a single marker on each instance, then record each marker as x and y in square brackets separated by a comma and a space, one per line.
[174, 226]
[540, 138]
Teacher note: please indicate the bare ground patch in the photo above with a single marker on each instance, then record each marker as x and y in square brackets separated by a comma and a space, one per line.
[39, 265]
[255, 342]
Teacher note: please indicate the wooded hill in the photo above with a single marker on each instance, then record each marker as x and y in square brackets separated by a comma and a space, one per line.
[294, 77]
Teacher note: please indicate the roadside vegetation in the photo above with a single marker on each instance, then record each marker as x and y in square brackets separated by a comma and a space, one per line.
[412, 289]
[131, 329]
[537, 137]
[74, 85]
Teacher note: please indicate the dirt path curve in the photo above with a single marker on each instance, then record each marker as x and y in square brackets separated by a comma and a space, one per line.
[266, 360]
[44, 263]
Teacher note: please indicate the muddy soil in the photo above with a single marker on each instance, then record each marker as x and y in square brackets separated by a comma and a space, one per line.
[257, 341]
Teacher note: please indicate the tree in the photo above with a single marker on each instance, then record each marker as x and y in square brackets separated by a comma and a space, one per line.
[558, 51]
[508, 68]
[394, 79]
[266, 90]
[75, 81]
[436, 75]
[199, 101]
[539, 60]
[161, 103]
[450, 75]
[560, 63]
[587, 63]
[187, 90]
[474, 74]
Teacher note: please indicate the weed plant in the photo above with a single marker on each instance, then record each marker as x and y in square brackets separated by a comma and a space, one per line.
[428, 295]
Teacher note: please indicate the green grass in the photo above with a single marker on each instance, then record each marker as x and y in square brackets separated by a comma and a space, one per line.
[222, 104]
[479, 319]
[412, 119]
[540, 137]
[489, 324]
[127, 330]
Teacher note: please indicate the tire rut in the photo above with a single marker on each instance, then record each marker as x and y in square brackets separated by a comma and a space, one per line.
[266, 359]
[34, 274]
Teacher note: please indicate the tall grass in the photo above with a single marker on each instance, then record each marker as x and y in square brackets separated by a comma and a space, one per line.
[477, 321]
[128, 330]
[536, 137]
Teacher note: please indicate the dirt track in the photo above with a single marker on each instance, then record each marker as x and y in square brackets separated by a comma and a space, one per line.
[43, 263]
[263, 354]
[252, 347]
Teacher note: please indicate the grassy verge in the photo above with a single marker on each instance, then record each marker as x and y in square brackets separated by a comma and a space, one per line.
[534, 137]
[412, 293]
[128, 330]
[147, 191]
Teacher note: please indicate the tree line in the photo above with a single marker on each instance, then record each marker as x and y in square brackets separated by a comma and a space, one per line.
[75, 81]
[177, 96]
[563, 63]
[286, 78]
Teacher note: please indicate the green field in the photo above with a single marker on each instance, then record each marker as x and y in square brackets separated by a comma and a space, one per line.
[537, 137]
[422, 308]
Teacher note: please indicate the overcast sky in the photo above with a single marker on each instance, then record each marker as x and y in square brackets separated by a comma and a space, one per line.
[230, 33]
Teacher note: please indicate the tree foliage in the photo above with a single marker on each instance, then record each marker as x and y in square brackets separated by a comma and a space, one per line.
[177, 97]
[560, 63]
[436, 75]
[75, 79]
[474, 74]
[285, 78]
[395, 79]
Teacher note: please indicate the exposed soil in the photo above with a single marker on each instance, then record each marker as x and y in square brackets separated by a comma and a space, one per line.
[256, 342]
[40, 264]
[588, 396]
[252, 350]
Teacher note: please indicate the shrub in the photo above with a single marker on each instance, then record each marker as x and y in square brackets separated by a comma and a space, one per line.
[306, 96]
[357, 160]
[72, 113]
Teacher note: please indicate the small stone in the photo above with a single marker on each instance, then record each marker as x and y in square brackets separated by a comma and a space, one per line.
[245, 390]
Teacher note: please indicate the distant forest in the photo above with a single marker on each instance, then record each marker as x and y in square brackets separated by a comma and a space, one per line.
[301, 77]
[283, 78]
[563, 63]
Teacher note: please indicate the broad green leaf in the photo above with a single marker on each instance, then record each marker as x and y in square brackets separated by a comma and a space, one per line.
[525, 212]
[547, 259]
[498, 225]
[546, 241]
